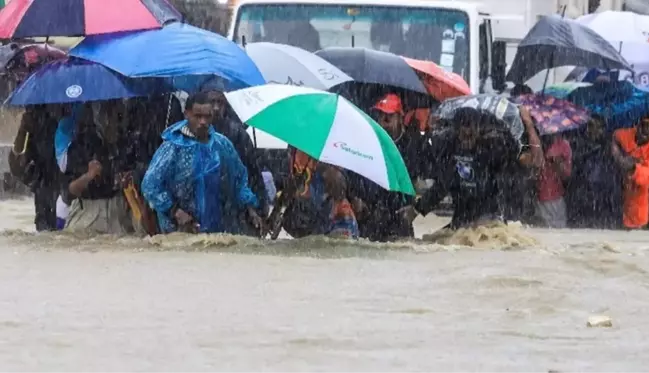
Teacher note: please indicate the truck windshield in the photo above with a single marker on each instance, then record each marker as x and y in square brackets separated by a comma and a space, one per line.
[434, 34]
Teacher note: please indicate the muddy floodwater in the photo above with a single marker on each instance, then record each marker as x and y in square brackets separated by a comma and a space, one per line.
[511, 299]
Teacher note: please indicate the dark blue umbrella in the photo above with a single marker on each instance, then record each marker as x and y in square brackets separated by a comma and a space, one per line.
[187, 54]
[75, 80]
[621, 103]
[555, 42]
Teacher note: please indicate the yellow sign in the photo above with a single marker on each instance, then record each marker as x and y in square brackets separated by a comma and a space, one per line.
[353, 12]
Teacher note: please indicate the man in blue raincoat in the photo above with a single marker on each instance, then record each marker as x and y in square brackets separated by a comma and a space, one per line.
[196, 175]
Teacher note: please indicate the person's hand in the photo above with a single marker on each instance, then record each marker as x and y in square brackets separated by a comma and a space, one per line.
[255, 219]
[182, 217]
[94, 168]
[526, 159]
[185, 222]
[122, 179]
[408, 213]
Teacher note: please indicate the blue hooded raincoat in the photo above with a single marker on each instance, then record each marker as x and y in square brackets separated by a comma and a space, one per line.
[206, 180]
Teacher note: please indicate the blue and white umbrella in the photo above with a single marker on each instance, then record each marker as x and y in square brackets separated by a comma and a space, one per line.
[75, 80]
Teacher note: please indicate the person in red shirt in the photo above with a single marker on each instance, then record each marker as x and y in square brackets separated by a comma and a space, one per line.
[550, 206]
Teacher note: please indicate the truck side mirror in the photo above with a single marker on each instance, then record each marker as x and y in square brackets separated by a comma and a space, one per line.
[499, 65]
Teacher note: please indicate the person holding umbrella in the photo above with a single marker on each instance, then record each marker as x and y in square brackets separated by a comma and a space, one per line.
[318, 204]
[94, 161]
[32, 161]
[382, 222]
[474, 161]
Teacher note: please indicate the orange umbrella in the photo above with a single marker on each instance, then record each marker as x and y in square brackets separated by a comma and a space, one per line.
[440, 83]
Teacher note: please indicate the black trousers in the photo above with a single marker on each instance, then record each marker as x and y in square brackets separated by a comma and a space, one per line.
[45, 207]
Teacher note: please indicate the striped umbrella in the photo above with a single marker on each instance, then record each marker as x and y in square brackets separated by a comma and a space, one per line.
[339, 133]
[42, 18]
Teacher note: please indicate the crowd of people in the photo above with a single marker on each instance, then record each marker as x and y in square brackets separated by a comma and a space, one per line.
[148, 166]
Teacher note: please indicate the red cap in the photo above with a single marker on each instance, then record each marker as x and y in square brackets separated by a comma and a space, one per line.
[389, 104]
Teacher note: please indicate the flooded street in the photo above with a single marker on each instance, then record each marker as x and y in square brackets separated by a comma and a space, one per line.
[223, 303]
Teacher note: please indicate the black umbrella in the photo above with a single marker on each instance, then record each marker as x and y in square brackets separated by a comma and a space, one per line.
[374, 67]
[376, 73]
[555, 42]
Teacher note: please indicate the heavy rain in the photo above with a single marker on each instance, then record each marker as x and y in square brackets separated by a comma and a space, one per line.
[324, 185]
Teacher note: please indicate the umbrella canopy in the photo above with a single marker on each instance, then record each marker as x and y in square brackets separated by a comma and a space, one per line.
[20, 60]
[618, 27]
[619, 102]
[284, 64]
[339, 132]
[187, 54]
[440, 83]
[552, 115]
[75, 80]
[34, 18]
[562, 90]
[555, 42]
[374, 67]
[500, 107]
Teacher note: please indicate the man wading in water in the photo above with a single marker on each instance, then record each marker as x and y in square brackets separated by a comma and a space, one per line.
[472, 164]
[376, 207]
[196, 175]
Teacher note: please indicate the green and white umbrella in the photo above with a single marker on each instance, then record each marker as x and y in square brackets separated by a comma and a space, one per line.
[326, 127]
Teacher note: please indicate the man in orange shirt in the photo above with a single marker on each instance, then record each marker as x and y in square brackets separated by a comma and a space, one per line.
[630, 149]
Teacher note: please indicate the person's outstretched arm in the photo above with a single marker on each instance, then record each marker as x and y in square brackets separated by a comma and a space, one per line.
[535, 157]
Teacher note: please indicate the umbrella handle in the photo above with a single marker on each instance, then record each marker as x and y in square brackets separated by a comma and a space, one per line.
[25, 143]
